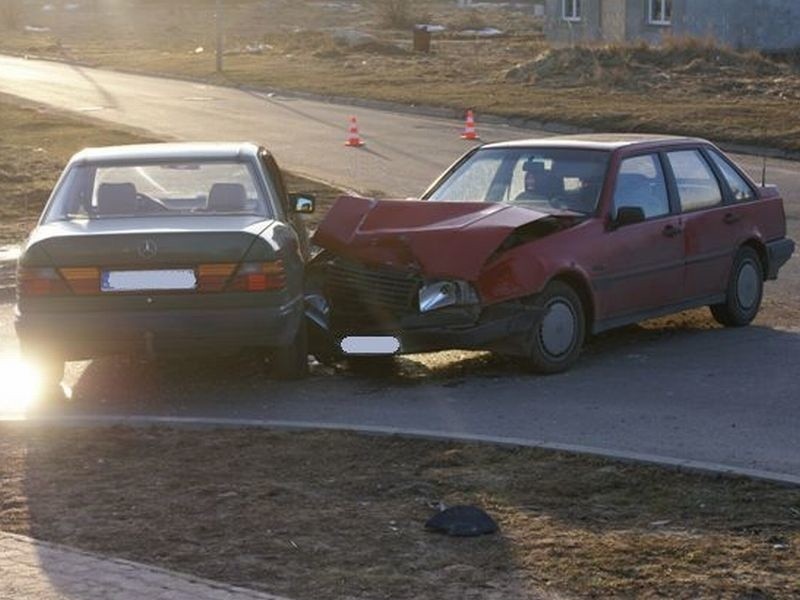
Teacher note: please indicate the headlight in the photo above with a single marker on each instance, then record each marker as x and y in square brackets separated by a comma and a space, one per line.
[440, 294]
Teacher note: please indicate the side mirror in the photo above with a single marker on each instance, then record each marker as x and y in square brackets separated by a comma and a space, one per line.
[304, 204]
[628, 215]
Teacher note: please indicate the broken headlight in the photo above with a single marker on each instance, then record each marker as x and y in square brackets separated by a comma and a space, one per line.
[441, 294]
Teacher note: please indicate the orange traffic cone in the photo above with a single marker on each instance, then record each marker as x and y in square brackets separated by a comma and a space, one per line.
[470, 133]
[354, 139]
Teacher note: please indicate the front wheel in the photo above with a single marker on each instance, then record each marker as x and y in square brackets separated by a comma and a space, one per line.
[744, 293]
[559, 335]
[291, 362]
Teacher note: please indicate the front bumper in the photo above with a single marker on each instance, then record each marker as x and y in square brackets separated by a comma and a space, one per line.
[779, 252]
[78, 336]
[503, 328]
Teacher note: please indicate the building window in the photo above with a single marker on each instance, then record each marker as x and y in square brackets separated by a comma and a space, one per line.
[660, 12]
[571, 10]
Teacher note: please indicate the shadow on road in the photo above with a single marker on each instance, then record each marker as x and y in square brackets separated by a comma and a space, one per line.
[684, 350]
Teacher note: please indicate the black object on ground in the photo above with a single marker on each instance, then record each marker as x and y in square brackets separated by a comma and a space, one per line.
[462, 521]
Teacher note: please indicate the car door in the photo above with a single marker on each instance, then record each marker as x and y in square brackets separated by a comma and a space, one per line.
[292, 218]
[710, 223]
[642, 263]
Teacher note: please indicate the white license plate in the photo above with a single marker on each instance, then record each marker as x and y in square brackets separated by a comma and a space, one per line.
[366, 345]
[147, 281]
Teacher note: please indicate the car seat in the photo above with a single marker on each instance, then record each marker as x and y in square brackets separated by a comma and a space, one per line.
[227, 197]
[116, 199]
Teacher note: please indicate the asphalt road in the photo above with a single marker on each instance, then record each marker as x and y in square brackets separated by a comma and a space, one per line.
[715, 396]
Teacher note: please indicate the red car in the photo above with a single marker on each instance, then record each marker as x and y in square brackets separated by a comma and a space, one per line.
[527, 247]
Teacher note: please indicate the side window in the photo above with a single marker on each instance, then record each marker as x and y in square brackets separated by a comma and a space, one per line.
[742, 192]
[641, 184]
[697, 186]
[571, 10]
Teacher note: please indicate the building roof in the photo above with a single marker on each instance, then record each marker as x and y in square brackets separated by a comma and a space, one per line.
[168, 151]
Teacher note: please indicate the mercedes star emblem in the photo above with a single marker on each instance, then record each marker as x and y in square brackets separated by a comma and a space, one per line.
[148, 249]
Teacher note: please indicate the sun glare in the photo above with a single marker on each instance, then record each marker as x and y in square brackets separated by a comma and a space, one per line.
[21, 387]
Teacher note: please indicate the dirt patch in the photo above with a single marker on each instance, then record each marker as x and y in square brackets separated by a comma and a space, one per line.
[689, 66]
[260, 509]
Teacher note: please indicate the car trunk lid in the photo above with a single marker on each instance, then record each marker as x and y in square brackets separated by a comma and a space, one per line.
[145, 243]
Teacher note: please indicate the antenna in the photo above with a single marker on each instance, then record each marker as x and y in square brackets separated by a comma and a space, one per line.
[764, 172]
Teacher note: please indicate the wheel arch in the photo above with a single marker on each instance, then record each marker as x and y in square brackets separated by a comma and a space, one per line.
[578, 282]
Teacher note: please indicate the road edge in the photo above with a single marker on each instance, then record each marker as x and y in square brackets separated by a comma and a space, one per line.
[677, 464]
[399, 107]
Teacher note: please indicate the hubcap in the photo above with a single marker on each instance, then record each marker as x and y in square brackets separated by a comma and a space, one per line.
[558, 328]
[747, 286]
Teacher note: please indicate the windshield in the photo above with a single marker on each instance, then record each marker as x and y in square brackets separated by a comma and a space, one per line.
[187, 188]
[540, 178]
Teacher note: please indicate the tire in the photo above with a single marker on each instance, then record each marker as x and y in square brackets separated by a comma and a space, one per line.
[744, 292]
[291, 362]
[49, 365]
[557, 338]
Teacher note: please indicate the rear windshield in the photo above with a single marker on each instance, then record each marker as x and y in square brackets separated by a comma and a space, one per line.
[193, 188]
[547, 179]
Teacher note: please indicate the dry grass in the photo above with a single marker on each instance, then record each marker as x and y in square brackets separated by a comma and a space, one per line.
[701, 89]
[261, 509]
[36, 143]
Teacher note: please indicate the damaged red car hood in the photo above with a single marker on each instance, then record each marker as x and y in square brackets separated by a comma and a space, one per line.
[442, 239]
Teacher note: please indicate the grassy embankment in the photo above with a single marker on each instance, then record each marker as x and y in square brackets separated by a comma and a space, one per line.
[686, 87]
[260, 509]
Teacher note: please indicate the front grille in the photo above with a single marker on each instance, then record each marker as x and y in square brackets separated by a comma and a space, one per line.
[369, 298]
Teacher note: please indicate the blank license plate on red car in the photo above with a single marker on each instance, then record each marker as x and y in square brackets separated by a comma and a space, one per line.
[144, 281]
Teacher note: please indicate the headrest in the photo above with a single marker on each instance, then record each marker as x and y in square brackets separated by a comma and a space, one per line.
[227, 197]
[534, 166]
[116, 199]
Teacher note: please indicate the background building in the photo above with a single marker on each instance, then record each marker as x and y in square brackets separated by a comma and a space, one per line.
[772, 25]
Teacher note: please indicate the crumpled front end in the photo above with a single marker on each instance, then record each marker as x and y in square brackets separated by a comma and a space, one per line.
[408, 271]
[353, 299]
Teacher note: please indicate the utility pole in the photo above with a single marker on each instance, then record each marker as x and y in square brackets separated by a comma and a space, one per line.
[220, 35]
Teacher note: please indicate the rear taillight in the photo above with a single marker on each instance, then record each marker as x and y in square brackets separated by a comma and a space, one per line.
[43, 281]
[259, 277]
[82, 280]
[212, 278]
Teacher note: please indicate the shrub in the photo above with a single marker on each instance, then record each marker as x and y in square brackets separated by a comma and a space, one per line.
[395, 14]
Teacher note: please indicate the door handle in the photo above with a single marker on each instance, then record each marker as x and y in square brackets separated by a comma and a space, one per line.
[730, 218]
[672, 231]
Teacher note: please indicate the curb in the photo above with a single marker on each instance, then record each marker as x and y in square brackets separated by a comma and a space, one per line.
[676, 464]
[411, 109]
[215, 585]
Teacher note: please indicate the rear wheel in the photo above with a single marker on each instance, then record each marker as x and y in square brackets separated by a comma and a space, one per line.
[745, 290]
[50, 367]
[291, 362]
[559, 335]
